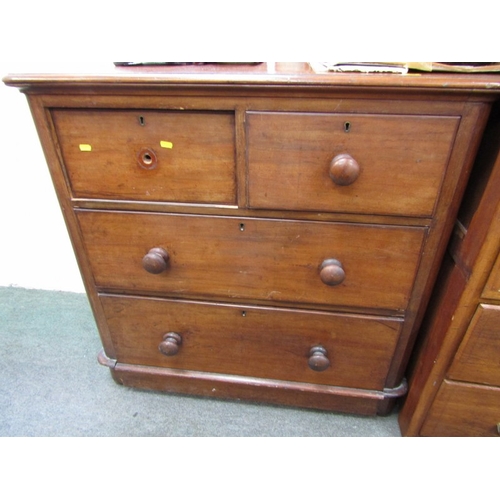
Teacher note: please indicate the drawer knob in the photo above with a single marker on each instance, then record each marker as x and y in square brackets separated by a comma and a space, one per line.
[170, 344]
[344, 169]
[155, 261]
[318, 359]
[147, 159]
[331, 272]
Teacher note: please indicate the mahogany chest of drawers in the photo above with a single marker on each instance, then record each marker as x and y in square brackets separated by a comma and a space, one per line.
[455, 383]
[266, 234]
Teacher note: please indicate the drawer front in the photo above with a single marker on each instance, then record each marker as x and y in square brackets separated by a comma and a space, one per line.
[148, 155]
[492, 288]
[252, 341]
[464, 410]
[399, 162]
[478, 358]
[238, 258]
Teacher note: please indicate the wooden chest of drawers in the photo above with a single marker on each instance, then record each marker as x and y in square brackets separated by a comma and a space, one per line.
[265, 235]
[455, 385]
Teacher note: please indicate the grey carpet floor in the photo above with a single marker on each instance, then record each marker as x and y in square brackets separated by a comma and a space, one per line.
[51, 385]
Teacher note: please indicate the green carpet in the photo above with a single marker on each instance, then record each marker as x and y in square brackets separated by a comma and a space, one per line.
[52, 385]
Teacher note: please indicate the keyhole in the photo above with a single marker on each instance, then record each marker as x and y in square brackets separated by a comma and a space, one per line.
[142, 121]
[242, 227]
[147, 159]
[347, 127]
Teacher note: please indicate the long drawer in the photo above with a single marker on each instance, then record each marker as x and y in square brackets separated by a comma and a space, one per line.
[356, 265]
[147, 155]
[352, 163]
[253, 341]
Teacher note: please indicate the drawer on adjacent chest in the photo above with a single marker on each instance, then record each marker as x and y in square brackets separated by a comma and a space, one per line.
[354, 163]
[354, 265]
[148, 155]
[462, 409]
[478, 358]
[283, 344]
[492, 288]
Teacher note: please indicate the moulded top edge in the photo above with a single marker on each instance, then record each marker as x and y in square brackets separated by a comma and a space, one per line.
[253, 75]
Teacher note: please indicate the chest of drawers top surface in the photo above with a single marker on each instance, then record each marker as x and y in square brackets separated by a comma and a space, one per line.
[262, 233]
[264, 74]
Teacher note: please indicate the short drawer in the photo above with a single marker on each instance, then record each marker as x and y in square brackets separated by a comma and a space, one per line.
[145, 155]
[464, 410]
[354, 163]
[253, 341]
[478, 358]
[330, 264]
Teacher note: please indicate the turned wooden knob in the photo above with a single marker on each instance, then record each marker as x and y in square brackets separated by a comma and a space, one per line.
[344, 169]
[170, 344]
[331, 272]
[155, 261]
[318, 360]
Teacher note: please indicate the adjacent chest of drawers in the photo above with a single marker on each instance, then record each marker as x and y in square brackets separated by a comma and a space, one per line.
[267, 236]
[455, 385]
